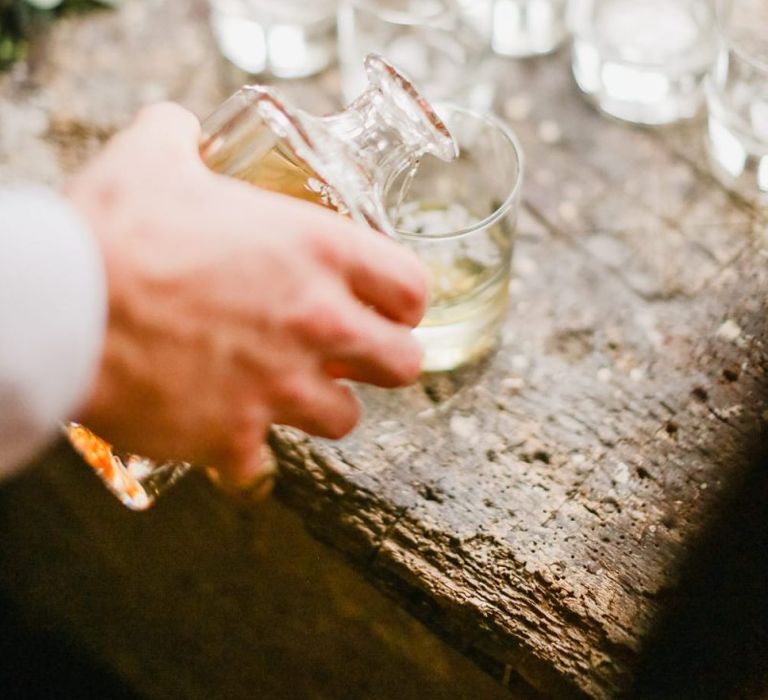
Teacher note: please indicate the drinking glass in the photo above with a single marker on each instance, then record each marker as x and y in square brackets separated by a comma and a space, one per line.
[737, 99]
[459, 218]
[643, 61]
[528, 27]
[283, 38]
[442, 45]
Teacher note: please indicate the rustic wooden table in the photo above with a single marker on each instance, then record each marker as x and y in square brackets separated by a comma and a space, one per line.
[538, 510]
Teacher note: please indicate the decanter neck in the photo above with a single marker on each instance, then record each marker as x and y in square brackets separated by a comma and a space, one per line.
[348, 158]
[380, 147]
[390, 125]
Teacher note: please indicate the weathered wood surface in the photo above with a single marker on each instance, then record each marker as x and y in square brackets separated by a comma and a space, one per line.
[534, 510]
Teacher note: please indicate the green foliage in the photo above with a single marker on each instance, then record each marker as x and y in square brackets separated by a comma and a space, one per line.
[21, 19]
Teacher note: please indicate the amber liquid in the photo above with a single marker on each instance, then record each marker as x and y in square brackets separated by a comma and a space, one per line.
[280, 171]
[469, 282]
[255, 156]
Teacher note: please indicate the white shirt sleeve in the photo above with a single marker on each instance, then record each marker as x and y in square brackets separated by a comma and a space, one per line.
[53, 306]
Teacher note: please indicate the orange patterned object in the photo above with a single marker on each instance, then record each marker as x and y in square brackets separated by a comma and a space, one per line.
[98, 454]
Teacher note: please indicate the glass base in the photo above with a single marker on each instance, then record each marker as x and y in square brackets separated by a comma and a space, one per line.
[639, 94]
[524, 28]
[136, 481]
[469, 337]
[284, 50]
[450, 347]
[738, 160]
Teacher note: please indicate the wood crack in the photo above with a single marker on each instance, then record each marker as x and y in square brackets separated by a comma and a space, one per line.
[385, 536]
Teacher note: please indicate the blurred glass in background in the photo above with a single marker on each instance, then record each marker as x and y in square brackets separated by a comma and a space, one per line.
[643, 61]
[528, 27]
[442, 45]
[737, 98]
[282, 38]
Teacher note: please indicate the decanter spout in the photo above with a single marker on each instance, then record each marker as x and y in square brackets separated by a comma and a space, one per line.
[390, 125]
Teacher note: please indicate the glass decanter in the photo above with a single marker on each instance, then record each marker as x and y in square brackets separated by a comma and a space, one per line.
[346, 161]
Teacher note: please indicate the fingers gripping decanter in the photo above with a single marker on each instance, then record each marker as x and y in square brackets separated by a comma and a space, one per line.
[345, 161]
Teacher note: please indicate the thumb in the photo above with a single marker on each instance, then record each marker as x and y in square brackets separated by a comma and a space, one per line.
[170, 125]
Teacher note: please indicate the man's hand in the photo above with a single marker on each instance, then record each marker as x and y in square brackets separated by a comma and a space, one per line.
[231, 308]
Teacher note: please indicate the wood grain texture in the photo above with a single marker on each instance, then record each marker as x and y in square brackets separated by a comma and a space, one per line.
[534, 509]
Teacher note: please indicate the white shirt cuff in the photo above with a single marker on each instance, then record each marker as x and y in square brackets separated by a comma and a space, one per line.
[53, 311]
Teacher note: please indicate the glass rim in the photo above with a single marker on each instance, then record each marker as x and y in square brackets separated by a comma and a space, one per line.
[402, 17]
[490, 120]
